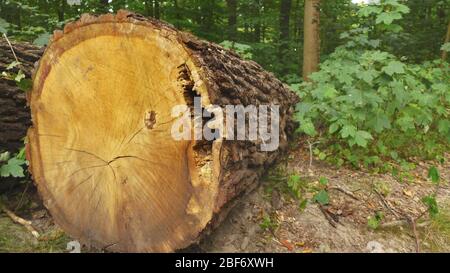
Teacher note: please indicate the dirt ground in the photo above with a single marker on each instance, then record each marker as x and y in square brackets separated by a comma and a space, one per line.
[271, 220]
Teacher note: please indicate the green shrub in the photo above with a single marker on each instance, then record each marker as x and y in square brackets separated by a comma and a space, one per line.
[366, 105]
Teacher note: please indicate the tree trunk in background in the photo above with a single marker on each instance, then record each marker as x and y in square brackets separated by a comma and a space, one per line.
[149, 11]
[257, 33]
[103, 113]
[266, 7]
[208, 15]
[157, 9]
[103, 6]
[61, 10]
[14, 113]
[178, 15]
[19, 17]
[285, 15]
[447, 40]
[232, 19]
[311, 48]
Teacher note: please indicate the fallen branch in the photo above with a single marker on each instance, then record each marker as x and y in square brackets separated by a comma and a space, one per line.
[344, 191]
[387, 205]
[16, 219]
[404, 219]
[399, 223]
[311, 145]
[11, 47]
[330, 219]
[416, 235]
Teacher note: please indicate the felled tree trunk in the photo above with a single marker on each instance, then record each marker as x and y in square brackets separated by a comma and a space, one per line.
[101, 149]
[14, 114]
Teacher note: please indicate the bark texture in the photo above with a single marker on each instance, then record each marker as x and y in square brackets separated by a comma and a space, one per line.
[14, 113]
[132, 188]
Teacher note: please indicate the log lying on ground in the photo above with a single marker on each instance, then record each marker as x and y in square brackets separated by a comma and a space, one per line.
[101, 150]
[14, 113]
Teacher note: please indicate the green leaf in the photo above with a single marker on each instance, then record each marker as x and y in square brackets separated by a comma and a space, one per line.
[19, 76]
[367, 76]
[444, 126]
[368, 10]
[322, 156]
[387, 17]
[293, 180]
[348, 131]
[308, 128]
[446, 47]
[329, 92]
[380, 122]
[433, 174]
[379, 56]
[323, 181]
[4, 157]
[3, 26]
[303, 204]
[25, 85]
[325, 91]
[362, 138]
[12, 65]
[21, 154]
[42, 39]
[406, 123]
[402, 8]
[322, 197]
[431, 203]
[394, 67]
[333, 128]
[375, 221]
[13, 168]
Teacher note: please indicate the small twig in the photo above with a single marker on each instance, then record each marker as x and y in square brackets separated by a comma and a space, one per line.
[27, 224]
[344, 191]
[21, 197]
[404, 218]
[327, 216]
[398, 223]
[416, 235]
[387, 205]
[311, 145]
[10, 46]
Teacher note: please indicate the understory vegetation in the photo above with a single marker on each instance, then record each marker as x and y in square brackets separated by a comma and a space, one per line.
[367, 106]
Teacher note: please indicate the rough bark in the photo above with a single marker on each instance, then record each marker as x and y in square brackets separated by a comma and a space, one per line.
[154, 194]
[311, 49]
[14, 113]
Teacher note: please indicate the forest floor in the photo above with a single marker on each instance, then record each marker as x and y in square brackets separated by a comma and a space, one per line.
[270, 220]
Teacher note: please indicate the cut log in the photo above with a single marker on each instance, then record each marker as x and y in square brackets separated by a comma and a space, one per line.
[101, 149]
[14, 113]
